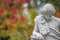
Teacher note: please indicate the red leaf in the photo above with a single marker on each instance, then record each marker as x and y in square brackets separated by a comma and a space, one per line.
[8, 2]
[12, 13]
[18, 2]
[22, 18]
[1, 11]
[26, 1]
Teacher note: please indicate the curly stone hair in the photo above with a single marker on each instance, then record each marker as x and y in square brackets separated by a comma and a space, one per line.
[48, 8]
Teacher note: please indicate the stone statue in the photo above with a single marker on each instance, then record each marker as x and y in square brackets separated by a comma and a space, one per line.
[46, 25]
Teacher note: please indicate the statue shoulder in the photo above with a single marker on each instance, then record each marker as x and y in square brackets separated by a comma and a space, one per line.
[38, 18]
[57, 19]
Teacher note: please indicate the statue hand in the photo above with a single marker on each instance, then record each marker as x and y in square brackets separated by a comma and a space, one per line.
[37, 36]
[40, 36]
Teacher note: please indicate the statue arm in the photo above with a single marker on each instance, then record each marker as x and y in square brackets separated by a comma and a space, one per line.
[53, 29]
[36, 34]
[54, 36]
[44, 31]
[36, 25]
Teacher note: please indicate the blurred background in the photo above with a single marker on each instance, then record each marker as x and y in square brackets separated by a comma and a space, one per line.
[17, 17]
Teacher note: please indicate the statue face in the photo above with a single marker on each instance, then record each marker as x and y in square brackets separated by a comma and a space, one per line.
[47, 10]
[47, 15]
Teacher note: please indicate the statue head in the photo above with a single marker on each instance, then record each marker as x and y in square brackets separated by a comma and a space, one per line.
[47, 10]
